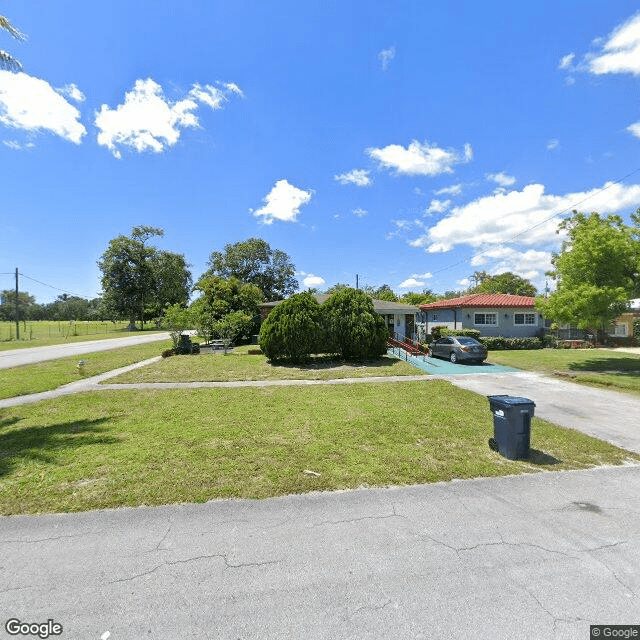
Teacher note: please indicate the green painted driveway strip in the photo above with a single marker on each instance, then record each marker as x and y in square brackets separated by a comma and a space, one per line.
[436, 366]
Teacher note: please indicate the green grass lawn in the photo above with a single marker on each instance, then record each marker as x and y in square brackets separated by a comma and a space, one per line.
[42, 333]
[598, 367]
[109, 449]
[239, 365]
[43, 376]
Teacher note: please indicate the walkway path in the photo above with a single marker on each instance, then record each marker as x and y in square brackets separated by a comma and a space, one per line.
[538, 556]
[17, 357]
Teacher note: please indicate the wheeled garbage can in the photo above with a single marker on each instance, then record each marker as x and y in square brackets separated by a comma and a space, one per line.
[511, 425]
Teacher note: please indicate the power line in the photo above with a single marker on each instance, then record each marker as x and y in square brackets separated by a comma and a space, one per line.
[78, 295]
[553, 215]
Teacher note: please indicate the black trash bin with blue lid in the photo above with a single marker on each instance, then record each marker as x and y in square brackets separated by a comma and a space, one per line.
[511, 425]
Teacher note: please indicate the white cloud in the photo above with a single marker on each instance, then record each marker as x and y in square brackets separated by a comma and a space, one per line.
[501, 179]
[566, 61]
[499, 217]
[72, 91]
[32, 104]
[360, 213]
[415, 280]
[465, 282]
[386, 56]
[552, 144]
[17, 146]
[283, 202]
[620, 53]
[634, 129]
[313, 281]
[209, 95]
[420, 159]
[453, 190]
[438, 206]
[359, 177]
[146, 120]
[530, 264]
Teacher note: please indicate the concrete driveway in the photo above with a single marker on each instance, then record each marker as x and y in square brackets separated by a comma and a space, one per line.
[538, 557]
[605, 414]
[17, 357]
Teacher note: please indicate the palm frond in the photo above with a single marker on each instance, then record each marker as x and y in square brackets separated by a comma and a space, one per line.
[7, 26]
[8, 62]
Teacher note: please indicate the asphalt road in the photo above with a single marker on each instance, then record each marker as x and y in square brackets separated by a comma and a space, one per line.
[538, 556]
[17, 357]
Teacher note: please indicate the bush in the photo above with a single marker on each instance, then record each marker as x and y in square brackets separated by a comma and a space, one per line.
[636, 329]
[353, 328]
[293, 330]
[499, 343]
[437, 332]
[168, 353]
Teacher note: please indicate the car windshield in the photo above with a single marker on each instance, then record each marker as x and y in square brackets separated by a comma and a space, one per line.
[467, 341]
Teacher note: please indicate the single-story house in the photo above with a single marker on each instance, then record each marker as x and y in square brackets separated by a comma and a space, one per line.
[493, 314]
[399, 317]
[622, 327]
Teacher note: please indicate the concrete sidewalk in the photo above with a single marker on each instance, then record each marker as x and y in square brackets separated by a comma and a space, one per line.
[536, 557]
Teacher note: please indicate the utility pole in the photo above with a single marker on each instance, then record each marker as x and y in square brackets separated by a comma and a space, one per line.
[17, 307]
[357, 287]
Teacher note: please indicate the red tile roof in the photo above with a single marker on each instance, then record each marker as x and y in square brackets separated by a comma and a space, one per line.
[483, 300]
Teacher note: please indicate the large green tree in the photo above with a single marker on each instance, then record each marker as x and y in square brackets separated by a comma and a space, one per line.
[226, 304]
[253, 261]
[503, 283]
[7, 61]
[596, 270]
[137, 276]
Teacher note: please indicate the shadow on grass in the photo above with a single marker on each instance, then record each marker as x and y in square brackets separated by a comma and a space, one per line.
[7, 422]
[622, 366]
[540, 457]
[321, 363]
[41, 443]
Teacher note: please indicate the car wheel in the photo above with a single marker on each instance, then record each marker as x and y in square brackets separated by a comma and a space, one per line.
[453, 357]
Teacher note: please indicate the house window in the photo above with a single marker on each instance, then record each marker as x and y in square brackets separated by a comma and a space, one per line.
[435, 317]
[619, 330]
[524, 318]
[490, 319]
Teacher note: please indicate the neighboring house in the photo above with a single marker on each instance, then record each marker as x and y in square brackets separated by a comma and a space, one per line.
[622, 327]
[493, 314]
[400, 318]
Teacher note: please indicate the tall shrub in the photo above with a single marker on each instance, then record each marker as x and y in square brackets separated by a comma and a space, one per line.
[293, 330]
[354, 329]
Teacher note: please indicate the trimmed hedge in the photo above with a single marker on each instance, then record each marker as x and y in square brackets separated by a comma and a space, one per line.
[346, 324]
[293, 330]
[353, 328]
[499, 343]
[440, 331]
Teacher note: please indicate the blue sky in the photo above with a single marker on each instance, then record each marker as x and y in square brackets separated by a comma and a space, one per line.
[411, 143]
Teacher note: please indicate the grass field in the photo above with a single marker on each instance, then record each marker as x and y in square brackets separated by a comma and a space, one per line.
[598, 367]
[47, 332]
[43, 376]
[239, 365]
[98, 450]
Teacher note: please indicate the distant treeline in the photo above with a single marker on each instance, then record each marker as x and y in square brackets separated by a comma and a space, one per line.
[64, 307]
